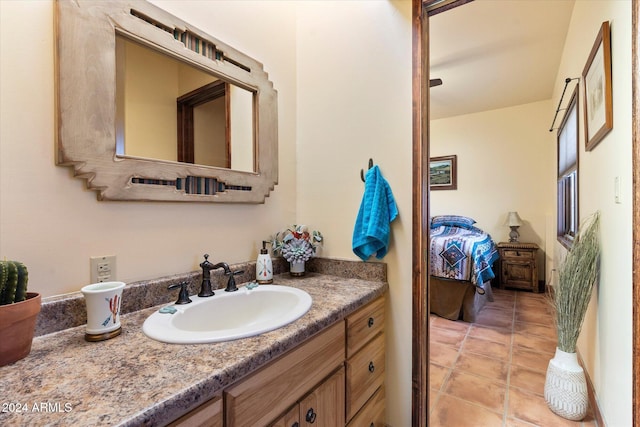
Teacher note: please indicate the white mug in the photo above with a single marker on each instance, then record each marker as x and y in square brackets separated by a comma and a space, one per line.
[103, 310]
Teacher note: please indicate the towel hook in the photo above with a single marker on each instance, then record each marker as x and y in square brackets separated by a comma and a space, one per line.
[362, 172]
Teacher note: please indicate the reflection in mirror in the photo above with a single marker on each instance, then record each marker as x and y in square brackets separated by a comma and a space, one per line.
[170, 110]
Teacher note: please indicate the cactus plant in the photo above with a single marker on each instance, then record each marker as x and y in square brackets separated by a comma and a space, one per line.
[13, 282]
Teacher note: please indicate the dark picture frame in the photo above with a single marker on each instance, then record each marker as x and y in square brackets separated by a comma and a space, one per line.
[443, 173]
[598, 99]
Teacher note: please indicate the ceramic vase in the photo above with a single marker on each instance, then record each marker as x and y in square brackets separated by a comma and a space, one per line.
[565, 388]
[103, 302]
[296, 268]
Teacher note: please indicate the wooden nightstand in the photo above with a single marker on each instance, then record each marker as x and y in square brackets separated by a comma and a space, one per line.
[518, 266]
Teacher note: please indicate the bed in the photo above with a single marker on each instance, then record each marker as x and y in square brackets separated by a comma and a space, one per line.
[461, 267]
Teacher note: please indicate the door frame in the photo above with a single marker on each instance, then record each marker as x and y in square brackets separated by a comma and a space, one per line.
[420, 216]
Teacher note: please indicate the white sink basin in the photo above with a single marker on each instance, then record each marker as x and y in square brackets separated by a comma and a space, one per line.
[228, 316]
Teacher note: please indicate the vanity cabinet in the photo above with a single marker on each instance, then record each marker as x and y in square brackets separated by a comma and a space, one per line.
[335, 378]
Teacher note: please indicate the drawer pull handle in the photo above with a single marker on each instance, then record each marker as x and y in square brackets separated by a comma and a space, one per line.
[370, 322]
[311, 416]
[372, 367]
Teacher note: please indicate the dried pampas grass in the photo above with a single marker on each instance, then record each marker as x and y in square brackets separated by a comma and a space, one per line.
[577, 275]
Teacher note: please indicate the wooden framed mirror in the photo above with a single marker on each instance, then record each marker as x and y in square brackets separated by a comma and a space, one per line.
[96, 127]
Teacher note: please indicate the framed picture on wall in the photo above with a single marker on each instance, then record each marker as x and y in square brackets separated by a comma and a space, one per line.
[443, 173]
[598, 102]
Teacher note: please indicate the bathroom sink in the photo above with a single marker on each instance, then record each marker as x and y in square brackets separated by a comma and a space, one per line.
[228, 316]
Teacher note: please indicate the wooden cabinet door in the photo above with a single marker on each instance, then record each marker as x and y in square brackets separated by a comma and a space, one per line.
[269, 392]
[290, 419]
[324, 406]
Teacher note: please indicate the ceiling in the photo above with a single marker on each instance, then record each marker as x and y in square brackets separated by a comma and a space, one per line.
[494, 54]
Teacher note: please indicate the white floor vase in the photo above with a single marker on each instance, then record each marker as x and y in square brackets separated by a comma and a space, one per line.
[565, 388]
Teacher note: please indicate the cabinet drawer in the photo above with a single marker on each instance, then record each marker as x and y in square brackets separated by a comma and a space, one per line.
[365, 374]
[259, 399]
[372, 414]
[518, 253]
[364, 324]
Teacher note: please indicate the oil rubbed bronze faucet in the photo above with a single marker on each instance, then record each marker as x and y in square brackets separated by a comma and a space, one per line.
[207, 266]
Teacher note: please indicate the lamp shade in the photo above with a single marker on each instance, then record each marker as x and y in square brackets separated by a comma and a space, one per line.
[513, 220]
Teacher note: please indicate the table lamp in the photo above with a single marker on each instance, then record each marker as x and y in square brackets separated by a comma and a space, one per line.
[513, 221]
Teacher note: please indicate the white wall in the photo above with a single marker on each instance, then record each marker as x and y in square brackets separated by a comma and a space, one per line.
[354, 103]
[605, 342]
[502, 163]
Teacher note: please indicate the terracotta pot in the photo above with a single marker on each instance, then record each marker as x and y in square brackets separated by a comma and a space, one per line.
[17, 325]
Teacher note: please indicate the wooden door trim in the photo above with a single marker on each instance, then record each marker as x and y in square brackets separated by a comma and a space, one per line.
[635, 141]
[420, 218]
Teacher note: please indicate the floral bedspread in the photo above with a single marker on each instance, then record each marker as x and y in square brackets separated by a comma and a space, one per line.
[462, 254]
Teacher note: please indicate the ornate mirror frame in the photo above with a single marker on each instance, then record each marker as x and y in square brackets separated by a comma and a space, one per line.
[86, 105]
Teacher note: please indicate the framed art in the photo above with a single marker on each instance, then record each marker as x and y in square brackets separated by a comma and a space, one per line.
[598, 102]
[443, 173]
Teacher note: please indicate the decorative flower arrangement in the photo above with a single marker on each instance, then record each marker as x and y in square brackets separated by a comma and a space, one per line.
[577, 276]
[296, 244]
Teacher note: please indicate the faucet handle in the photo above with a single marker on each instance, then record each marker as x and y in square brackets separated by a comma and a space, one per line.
[183, 296]
[231, 284]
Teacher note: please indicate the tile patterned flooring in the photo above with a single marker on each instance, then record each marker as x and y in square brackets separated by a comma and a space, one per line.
[492, 372]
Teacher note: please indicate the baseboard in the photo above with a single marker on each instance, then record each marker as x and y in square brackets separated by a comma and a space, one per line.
[593, 400]
[542, 286]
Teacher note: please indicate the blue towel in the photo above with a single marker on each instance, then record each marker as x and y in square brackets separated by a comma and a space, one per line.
[377, 210]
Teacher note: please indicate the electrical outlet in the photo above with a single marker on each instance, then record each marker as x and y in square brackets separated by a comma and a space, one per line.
[103, 268]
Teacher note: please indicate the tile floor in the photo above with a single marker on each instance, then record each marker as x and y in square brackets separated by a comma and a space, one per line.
[492, 372]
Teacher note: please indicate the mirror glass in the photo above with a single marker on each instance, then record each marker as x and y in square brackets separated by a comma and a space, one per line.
[167, 109]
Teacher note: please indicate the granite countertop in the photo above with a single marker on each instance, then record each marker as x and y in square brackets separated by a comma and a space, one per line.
[132, 380]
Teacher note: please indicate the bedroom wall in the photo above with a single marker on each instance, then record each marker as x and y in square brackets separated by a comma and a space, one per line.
[605, 342]
[502, 163]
